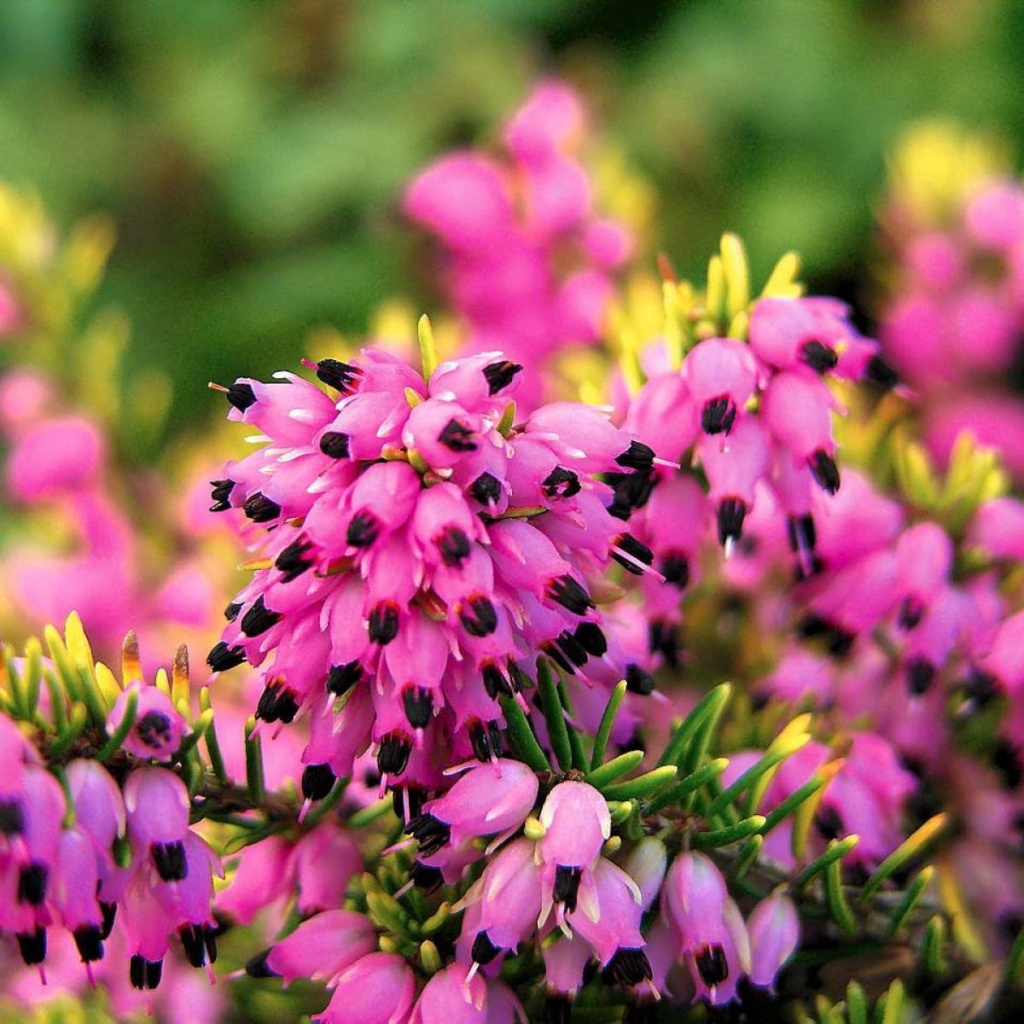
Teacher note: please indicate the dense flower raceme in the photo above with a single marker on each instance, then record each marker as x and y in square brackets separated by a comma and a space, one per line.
[890, 636]
[421, 551]
[953, 322]
[555, 886]
[511, 225]
[101, 849]
[753, 412]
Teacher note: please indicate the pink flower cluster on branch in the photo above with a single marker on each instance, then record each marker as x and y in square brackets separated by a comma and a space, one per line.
[422, 550]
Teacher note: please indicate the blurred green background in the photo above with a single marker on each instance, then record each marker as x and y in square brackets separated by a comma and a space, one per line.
[252, 152]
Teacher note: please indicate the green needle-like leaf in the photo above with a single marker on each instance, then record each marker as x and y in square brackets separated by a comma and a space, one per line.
[254, 764]
[120, 734]
[554, 714]
[604, 729]
[914, 892]
[856, 1004]
[836, 898]
[524, 743]
[836, 850]
[732, 834]
[614, 769]
[905, 852]
[697, 780]
[643, 785]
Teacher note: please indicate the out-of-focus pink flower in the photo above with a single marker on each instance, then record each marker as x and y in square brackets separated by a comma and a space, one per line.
[774, 930]
[55, 456]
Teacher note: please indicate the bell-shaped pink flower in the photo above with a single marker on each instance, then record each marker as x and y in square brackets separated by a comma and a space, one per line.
[577, 822]
[488, 799]
[158, 807]
[797, 411]
[708, 929]
[508, 901]
[158, 728]
[721, 375]
[321, 948]
[774, 930]
[379, 988]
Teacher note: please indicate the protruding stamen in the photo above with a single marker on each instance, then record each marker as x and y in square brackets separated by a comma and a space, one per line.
[259, 618]
[454, 546]
[639, 681]
[631, 554]
[628, 967]
[591, 638]
[478, 615]
[419, 706]
[675, 567]
[393, 754]
[383, 624]
[560, 483]
[825, 471]
[336, 374]
[500, 375]
[260, 509]
[484, 951]
[431, 833]
[89, 943]
[486, 489]
[881, 373]
[334, 444]
[567, 886]
[920, 675]
[819, 357]
[718, 415]
[363, 530]
[292, 561]
[662, 639]
[712, 964]
[221, 494]
[731, 513]
[631, 491]
[222, 657]
[169, 861]
[277, 704]
[317, 780]
[570, 594]
[637, 456]
[342, 678]
[457, 437]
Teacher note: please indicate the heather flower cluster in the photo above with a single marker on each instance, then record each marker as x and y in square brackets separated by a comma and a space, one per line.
[423, 548]
[704, 704]
[527, 262]
[953, 322]
[99, 844]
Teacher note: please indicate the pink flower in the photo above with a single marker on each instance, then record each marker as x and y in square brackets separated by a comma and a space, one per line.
[55, 456]
[379, 988]
[158, 728]
[452, 996]
[487, 799]
[707, 927]
[577, 823]
[774, 930]
[321, 948]
[400, 584]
